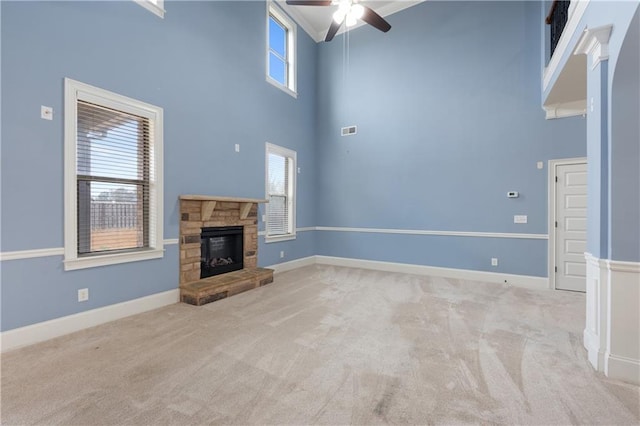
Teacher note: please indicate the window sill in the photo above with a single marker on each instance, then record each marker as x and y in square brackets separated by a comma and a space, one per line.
[111, 259]
[152, 7]
[285, 89]
[279, 238]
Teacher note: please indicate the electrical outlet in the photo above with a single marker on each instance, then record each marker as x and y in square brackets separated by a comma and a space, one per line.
[264, 217]
[281, 254]
[494, 261]
[83, 295]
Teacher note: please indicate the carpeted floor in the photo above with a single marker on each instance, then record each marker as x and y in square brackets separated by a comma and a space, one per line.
[327, 345]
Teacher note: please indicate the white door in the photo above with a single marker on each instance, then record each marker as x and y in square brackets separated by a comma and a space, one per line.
[571, 226]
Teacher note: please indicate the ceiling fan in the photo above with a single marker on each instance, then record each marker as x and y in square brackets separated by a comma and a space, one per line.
[349, 11]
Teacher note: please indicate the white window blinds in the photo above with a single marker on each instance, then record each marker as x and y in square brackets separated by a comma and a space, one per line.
[278, 185]
[114, 170]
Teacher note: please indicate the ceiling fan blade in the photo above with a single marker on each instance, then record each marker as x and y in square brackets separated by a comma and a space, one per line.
[309, 2]
[375, 20]
[333, 29]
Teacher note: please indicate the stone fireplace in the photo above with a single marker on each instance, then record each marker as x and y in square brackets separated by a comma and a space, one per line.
[218, 248]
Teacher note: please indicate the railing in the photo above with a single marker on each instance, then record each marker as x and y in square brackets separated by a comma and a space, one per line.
[113, 214]
[557, 18]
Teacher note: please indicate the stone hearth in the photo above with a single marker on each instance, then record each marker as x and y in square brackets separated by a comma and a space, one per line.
[200, 211]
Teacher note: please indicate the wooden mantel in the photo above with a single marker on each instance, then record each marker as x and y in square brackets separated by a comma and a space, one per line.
[209, 204]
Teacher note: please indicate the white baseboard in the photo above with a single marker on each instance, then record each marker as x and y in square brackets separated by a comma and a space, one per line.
[293, 264]
[524, 281]
[592, 345]
[620, 368]
[28, 335]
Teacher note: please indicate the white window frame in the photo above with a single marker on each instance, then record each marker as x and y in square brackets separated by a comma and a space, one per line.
[291, 196]
[155, 6]
[76, 91]
[292, 29]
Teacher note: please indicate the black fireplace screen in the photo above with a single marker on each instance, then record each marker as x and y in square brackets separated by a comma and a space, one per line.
[221, 250]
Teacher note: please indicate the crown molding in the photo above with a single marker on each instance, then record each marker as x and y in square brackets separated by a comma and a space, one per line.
[594, 43]
[565, 109]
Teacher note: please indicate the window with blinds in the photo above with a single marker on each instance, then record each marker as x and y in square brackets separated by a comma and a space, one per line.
[113, 170]
[280, 193]
[113, 178]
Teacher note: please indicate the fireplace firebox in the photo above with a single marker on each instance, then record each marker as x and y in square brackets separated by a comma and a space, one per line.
[221, 250]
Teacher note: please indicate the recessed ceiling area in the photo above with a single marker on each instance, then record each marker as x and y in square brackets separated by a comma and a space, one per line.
[315, 20]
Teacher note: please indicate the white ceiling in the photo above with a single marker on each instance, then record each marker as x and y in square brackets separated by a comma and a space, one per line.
[315, 20]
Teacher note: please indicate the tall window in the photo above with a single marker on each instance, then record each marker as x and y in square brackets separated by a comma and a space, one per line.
[281, 193]
[113, 185]
[281, 64]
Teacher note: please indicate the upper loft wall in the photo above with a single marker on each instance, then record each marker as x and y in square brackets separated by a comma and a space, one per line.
[447, 106]
[564, 85]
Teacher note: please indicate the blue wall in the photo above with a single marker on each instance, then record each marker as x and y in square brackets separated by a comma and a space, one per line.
[624, 168]
[447, 106]
[205, 65]
[449, 119]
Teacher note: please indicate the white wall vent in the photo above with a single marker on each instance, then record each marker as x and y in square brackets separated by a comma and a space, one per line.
[348, 131]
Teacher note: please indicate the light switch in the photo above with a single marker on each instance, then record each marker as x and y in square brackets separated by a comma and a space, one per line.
[540, 165]
[237, 147]
[520, 218]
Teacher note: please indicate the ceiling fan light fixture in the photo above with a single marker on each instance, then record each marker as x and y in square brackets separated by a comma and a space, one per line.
[344, 6]
[338, 16]
[351, 20]
[357, 10]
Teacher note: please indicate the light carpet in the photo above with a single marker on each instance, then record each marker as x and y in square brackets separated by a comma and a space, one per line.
[327, 345]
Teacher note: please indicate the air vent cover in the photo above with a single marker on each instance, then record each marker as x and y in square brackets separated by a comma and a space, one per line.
[348, 131]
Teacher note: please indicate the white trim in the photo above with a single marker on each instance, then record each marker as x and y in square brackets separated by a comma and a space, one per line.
[156, 8]
[551, 215]
[427, 232]
[620, 266]
[292, 196]
[622, 368]
[566, 109]
[292, 53]
[594, 43]
[59, 251]
[595, 330]
[307, 229]
[563, 44]
[111, 259]
[74, 91]
[293, 264]
[524, 281]
[28, 335]
[612, 325]
[29, 254]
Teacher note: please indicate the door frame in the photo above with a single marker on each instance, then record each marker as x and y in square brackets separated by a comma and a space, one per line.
[552, 166]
